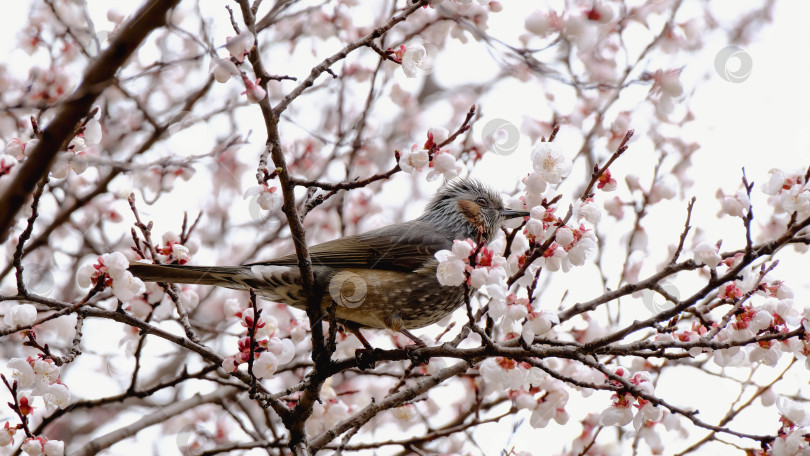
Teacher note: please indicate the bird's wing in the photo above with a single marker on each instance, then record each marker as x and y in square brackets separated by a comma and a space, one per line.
[400, 247]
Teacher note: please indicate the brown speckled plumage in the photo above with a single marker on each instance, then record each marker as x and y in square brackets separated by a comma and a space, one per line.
[385, 278]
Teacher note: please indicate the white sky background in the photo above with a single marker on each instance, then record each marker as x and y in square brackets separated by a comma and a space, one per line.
[759, 124]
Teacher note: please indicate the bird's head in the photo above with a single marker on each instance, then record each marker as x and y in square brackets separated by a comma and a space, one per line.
[466, 207]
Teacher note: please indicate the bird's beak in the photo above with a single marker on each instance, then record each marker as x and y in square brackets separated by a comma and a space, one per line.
[512, 213]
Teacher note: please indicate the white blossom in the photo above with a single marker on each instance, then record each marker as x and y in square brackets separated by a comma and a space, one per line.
[32, 447]
[265, 365]
[222, 69]
[550, 162]
[413, 160]
[583, 250]
[240, 45]
[450, 270]
[125, 286]
[444, 164]
[616, 416]
[413, 60]
[20, 315]
[794, 411]
[284, 349]
[706, 253]
[23, 372]
[539, 23]
[56, 396]
[54, 448]
[588, 210]
[92, 131]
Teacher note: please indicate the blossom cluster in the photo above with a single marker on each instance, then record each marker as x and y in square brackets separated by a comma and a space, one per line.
[788, 194]
[621, 410]
[269, 352]
[441, 162]
[111, 269]
[36, 378]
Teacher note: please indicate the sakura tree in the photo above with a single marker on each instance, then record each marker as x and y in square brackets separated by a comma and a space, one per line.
[613, 320]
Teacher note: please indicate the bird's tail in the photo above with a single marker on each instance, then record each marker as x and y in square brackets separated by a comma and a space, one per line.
[224, 276]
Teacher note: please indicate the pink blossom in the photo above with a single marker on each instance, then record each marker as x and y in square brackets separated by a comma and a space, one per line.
[255, 93]
[7, 435]
[15, 148]
[542, 24]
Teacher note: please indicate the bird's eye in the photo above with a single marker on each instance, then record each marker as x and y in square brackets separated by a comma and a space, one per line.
[481, 201]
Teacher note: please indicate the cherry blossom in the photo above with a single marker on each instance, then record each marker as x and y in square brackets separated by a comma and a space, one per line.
[240, 45]
[550, 162]
[223, 69]
[20, 315]
[443, 165]
[413, 60]
[413, 160]
[550, 313]
[706, 253]
[112, 270]
[255, 93]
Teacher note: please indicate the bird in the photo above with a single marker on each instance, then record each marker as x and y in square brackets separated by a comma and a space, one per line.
[381, 279]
